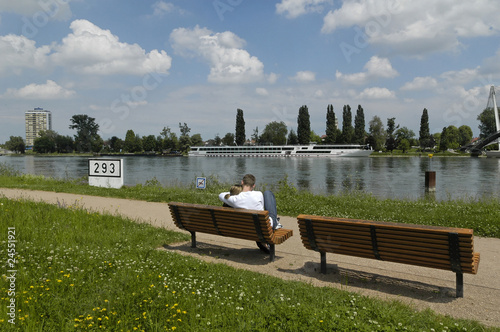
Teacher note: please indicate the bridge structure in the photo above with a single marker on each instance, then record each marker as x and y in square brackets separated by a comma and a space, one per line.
[476, 148]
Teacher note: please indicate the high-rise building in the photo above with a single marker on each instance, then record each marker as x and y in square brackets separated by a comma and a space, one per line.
[36, 121]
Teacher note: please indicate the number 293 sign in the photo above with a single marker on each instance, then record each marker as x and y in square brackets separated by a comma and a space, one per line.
[105, 167]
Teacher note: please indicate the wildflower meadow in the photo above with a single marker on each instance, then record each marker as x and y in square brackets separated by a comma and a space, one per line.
[77, 270]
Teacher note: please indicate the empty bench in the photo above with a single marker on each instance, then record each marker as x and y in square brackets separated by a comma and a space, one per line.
[244, 224]
[443, 248]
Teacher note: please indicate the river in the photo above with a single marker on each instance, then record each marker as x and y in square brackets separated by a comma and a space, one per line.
[384, 177]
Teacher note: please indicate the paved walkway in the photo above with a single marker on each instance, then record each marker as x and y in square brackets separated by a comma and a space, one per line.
[417, 286]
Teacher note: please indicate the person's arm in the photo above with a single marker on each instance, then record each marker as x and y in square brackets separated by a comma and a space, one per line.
[223, 199]
[247, 200]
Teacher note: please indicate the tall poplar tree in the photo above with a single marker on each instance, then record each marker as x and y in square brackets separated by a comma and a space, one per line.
[424, 133]
[303, 126]
[240, 128]
[331, 126]
[359, 126]
[390, 143]
[347, 128]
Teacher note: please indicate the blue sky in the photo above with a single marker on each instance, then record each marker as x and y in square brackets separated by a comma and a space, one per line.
[146, 65]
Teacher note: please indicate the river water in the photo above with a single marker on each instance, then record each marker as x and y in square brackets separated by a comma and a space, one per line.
[384, 177]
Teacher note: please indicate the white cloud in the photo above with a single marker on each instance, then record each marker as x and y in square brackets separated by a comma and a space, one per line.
[49, 90]
[229, 63]
[19, 52]
[377, 93]
[416, 27]
[304, 77]
[272, 78]
[463, 76]
[92, 50]
[161, 8]
[295, 8]
[261, 91]
[420, 83]
[41, 10]
[375, 68]
[319, 94]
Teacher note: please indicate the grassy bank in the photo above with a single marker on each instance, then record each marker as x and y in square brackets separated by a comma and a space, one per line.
[81, 271]
[481, 215]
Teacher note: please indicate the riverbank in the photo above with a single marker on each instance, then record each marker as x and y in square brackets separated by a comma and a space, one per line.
[481, 215]
[418, 287]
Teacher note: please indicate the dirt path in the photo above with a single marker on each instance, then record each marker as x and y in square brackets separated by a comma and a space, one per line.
[419, 287]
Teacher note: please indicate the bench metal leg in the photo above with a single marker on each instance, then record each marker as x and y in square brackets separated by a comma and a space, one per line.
[272, 252]
[460, 284]
[323, 262]
[193, 239]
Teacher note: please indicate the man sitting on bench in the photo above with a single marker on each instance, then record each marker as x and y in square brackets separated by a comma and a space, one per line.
[254, 200]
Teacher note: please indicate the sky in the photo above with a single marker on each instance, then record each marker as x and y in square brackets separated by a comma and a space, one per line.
[145, 65]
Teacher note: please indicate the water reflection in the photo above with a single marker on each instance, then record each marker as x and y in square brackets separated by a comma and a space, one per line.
[304, 169]
[384, 177]
[330, 176]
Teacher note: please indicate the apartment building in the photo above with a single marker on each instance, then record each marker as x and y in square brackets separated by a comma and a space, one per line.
[36, 120]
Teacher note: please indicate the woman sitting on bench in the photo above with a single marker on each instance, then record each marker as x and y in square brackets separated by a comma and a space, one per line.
[253, 200]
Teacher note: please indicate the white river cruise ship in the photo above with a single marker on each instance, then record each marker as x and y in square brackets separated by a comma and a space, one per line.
[329, 151]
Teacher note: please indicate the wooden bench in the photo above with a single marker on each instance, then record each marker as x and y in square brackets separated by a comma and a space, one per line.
[443, 248]
[237, 223]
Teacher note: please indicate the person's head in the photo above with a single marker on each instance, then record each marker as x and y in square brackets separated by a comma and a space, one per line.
[248, 182]
[235, 190]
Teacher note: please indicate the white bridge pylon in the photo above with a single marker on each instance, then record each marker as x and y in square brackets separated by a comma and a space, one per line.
[492, 103]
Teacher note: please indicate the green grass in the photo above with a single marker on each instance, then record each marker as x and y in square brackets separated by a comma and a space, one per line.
[83, 271]
[483, 215]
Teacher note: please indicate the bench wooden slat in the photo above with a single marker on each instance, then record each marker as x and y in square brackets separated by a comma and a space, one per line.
[445, 248]
[328, 228]
[390, 225]
[402, 249]
[420, 243]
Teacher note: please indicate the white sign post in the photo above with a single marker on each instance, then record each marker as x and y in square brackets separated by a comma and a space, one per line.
[107, 173]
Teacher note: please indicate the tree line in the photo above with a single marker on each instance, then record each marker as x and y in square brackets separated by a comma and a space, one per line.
[380, 138]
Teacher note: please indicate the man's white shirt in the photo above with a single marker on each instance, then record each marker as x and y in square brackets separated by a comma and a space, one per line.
[251, 200]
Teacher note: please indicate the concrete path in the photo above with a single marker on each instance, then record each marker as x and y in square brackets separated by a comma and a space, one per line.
[417, 286]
